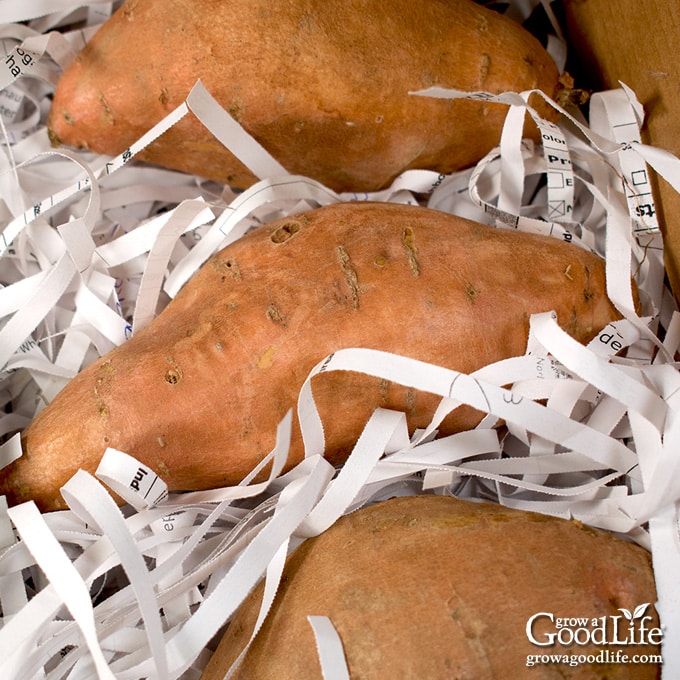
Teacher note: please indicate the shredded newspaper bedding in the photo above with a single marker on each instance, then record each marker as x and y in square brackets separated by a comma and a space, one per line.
[92, 248]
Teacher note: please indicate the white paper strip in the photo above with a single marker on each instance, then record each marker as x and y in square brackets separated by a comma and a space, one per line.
[329, 645]
[232, 135]
[59, 569]
[133, 481]
[95, 505]
[30, 9]
[89, 242]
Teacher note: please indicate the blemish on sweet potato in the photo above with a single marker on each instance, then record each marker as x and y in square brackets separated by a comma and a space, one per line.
[408, 240]
[485, 62]
[471, 293]
[55, 142]
[227, 266]
[174, 374]
[572, 326]
[284, 232]
[588, 293]
[384, 386]
[410, 401]
[266, 359]
[129, 10]
[104, 373]
[350, 275]
[273, 313]
[236, 109]
[106, 110]
[106, 369]
[456, 614]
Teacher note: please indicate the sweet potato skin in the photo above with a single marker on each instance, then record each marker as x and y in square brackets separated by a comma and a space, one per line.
[197, 395]
[437, 587]
[323, 86]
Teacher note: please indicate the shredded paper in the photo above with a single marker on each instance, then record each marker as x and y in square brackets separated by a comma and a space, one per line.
[92, 248]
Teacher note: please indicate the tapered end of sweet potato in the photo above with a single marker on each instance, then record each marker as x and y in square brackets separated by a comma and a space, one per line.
[63, 448]
[81, 115]
[25, 480]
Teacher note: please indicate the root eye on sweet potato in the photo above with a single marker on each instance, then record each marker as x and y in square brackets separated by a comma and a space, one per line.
[323, 86]
[198, 394]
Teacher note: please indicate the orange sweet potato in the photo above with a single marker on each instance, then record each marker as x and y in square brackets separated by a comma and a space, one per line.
[434, 587]
[323, 86]
[197, 395]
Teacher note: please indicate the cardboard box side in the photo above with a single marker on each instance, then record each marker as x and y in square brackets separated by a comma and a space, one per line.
[636, 43]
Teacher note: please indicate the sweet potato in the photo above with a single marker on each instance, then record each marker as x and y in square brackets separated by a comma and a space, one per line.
[434, 587]
[197, 395]
[323, 86]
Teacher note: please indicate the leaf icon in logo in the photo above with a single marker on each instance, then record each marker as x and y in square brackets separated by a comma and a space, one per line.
[640, 610]
[637, 613]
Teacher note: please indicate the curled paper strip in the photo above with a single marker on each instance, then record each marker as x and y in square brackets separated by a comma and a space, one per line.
[135, 483]
[92, 247]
